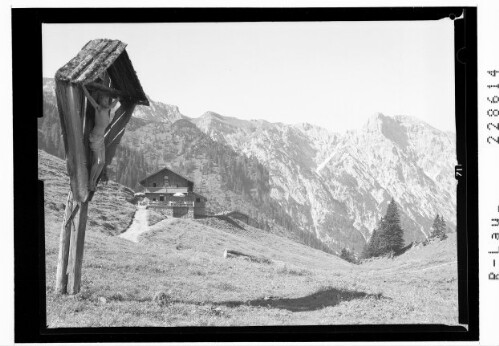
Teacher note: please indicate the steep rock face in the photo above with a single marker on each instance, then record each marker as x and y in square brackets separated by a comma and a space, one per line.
[340, 185]
[400, 158]
[291, 153]
[158, 111]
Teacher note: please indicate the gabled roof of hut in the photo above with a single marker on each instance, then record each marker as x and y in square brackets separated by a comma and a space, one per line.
[143, 181]
[101, 55]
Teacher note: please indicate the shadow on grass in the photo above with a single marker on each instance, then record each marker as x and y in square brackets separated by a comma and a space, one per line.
[403, 250]
[312, 302]
[228, 220]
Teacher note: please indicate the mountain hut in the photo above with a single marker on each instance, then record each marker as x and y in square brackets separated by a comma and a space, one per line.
[175, 193]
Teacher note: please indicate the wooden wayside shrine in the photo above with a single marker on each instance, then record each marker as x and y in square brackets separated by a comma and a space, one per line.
[101, 65]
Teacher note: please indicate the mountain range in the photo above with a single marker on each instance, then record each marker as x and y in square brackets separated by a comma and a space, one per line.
[334, 186]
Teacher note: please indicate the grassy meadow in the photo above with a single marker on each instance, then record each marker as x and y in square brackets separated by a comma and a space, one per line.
[176, 274]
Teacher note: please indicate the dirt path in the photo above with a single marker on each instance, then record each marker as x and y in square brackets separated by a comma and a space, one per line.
[138, 226]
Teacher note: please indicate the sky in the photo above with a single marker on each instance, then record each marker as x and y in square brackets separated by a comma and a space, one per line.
[332, 74]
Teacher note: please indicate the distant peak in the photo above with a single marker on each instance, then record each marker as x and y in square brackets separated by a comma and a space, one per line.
[401, 119]
[211, 114]
[375, 122]
[305, 126]
[308, 127]
[378, 119]
[407, 119]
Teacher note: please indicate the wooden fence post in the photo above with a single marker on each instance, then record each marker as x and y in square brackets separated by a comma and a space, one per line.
[75, 258]
[61, 280]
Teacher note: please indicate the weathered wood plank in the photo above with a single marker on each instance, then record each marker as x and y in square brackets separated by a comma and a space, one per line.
[125, 79]
[94, 58]
[70, 106]
[117, 129]
[114, 133]
[73, 213]
[75, 259]
[88, 126]
[80, 67]
[105, 52]
[61, 279]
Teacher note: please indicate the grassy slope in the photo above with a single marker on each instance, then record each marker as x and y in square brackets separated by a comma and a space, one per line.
[183, 258]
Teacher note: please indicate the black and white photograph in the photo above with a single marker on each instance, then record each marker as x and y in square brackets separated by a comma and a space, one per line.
[249, 174]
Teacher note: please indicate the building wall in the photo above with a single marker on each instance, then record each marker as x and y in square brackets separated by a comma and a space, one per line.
[181, 212]
[155, 197]
[199, 211]
[169, 212]
[201, 205]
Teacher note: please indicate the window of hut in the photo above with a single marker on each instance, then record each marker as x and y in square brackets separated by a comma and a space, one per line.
[153, 184]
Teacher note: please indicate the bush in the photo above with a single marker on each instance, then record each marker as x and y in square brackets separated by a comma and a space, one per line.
[439, 228]
[162, 299]
[348, 256]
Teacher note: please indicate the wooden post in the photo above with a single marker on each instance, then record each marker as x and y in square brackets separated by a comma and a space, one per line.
[61, 280]
[109, 60]
[72, 240]
[77, 243]
[70, 105]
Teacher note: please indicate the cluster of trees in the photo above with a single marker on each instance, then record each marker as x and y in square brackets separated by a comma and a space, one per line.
[128, 167]
[348, 256]
[439, 228]
[388, 238]
[242, 174]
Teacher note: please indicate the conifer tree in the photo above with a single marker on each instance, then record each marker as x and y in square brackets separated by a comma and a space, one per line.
[347, 255]
[443, 226]
[381, 242]
[366, 253]
[389, 237]
[372, 248]
[393, 233]
[439, 228]
[435, 233]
